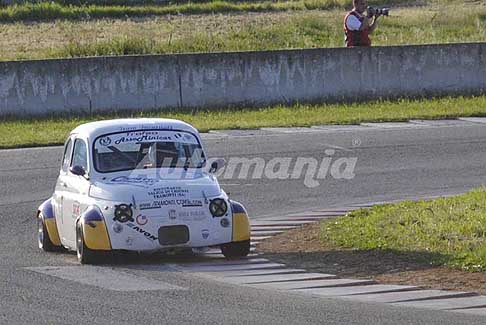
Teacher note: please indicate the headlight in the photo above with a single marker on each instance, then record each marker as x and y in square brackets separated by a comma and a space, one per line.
[218, 207]
[123, 213]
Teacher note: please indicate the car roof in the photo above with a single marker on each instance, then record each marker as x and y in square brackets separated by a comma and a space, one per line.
[94, 129]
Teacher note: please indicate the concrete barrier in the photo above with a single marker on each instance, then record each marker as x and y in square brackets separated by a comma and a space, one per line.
[93, 85]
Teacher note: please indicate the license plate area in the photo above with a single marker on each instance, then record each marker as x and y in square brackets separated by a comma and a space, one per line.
[173, 235]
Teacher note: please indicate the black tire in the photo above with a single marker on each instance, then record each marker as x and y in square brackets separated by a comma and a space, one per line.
[85, 255]
[236, 249]
[43, 239]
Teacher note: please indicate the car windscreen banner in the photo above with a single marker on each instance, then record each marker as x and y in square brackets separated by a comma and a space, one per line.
[147, 149]
[144, 136]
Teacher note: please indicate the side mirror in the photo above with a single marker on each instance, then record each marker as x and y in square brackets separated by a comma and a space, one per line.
[217, 165]
[77, 170]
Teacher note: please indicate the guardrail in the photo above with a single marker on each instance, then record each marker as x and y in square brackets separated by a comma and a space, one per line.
[212, 80]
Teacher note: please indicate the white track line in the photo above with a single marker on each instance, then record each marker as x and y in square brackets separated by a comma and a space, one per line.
[104, 277]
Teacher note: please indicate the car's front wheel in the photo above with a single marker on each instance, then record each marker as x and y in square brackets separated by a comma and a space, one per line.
[85, 255]
[43, 239]
[236, 249]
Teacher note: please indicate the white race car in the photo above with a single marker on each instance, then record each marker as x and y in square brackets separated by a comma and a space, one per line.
[139, 185]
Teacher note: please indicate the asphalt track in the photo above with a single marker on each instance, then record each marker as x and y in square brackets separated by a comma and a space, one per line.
[403, 161]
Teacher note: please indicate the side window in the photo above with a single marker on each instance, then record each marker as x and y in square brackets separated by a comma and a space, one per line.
[67, 155]
[80, 154]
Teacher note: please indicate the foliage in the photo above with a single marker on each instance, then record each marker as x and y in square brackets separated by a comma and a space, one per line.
[450, 230]
[53, 130]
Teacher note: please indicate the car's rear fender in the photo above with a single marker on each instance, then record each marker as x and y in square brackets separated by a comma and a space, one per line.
[95, 233]
[47, 211]
[241, 222]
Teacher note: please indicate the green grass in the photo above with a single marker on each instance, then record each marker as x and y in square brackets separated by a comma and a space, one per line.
[135, 3]
[446, 231]
[48, 11]
[50, 131]
[138, 3]
[234, 32]
[92, 9]
[306, 31]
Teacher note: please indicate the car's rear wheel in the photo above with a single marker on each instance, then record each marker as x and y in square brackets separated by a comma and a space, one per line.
[43, 239]
[85, 255]
[236, 249]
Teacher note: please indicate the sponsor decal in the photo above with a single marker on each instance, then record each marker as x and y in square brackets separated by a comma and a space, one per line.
[130, 136]
[147, 206]
[195, 215]
[142, 136]
[198, 214]
[168, 192]
[205, 233]
[76, 210]
[125, 129]
[134, 180]
[141, 220]
[172, 214]
[185, 138]
[147, 127]
[105, 141]
[185, 203]
[118, 228]
[148, 134]
[190, 203]
[225, 223]
[162, 203]
[142, 231]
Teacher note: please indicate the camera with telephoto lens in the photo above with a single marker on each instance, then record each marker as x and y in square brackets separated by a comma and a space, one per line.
[377, 11]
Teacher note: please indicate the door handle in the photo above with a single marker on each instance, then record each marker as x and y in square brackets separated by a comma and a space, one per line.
[63, 184]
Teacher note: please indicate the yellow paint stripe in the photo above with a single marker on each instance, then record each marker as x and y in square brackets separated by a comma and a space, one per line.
[52, 231]
[96, 237]
[241, 227]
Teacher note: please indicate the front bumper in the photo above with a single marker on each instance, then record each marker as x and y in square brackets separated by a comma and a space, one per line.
[186, 228]
[157, 234]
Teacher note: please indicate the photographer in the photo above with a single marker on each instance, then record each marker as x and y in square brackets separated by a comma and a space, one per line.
[358, 27]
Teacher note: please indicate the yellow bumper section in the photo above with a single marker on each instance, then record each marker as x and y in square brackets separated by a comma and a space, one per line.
[96, 235]
[52, 231]
[241, 227]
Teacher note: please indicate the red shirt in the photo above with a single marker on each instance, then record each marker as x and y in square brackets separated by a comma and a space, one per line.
[356, 37]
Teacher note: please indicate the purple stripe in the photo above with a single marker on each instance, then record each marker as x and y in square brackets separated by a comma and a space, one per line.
[92, 214]
[47, 210]
[237, 207]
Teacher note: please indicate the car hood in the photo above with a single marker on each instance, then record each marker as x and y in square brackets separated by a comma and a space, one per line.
[145, 189]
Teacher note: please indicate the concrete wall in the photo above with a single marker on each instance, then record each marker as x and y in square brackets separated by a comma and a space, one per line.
[244, 78]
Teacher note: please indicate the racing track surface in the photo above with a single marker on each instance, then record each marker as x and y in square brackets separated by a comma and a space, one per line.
[399, 161]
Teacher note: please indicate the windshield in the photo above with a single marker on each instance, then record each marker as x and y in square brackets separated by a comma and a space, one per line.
[147, 149]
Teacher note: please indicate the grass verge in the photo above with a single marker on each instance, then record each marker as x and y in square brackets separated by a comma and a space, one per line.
[448, 231]
[49, 11]
[235, 32]
[434, 244]
[94, 9]
[173, 2]
[50, 131]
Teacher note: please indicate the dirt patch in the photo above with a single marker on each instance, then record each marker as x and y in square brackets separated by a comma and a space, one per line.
[301, 248]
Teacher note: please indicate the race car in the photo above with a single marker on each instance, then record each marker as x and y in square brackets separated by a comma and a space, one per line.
[141, 185]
